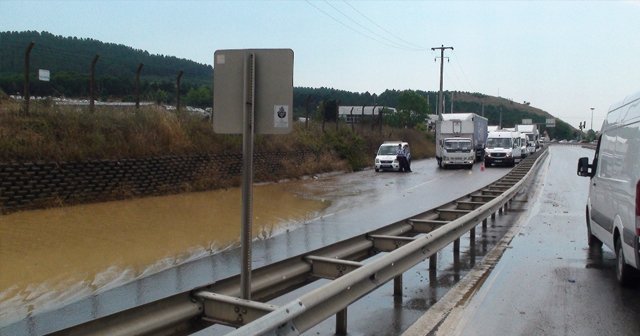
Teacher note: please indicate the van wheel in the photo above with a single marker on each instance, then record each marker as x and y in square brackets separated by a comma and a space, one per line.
[623, 271]
[592, 240]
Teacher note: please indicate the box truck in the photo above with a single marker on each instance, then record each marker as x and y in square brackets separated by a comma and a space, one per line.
[460, 139]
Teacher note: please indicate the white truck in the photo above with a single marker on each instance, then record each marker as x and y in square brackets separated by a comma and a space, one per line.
[460, 139]
[532, 134]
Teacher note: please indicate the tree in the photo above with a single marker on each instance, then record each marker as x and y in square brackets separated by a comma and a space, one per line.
[199, 97]
[412, 110]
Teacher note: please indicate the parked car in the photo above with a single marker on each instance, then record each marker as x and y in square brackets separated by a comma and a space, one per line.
[386, 158]
[613, 204]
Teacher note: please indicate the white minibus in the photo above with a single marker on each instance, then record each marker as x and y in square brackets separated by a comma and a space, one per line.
[613, 204]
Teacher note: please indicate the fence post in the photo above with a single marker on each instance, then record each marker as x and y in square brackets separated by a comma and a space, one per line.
[27, 55]
[92, 83]
[138, 85]
[352, 121]
[178, 91]
[306, 121]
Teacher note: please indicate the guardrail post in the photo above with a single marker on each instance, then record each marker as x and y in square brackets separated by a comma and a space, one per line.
[456, 246]
[493, 216]
[433, 262]
[397, 287]
[341, 322]
[472, 236]
[500, 210]
[484, 224]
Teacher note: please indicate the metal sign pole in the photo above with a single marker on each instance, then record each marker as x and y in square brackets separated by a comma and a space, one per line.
[247, 173]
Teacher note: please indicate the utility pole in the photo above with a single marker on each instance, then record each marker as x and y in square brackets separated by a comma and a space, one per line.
[442, 48]
[451, 111]
[593, 108]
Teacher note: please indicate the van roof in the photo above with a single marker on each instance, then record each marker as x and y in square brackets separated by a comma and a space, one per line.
[503, 134]
[628, 99]
[394, 143]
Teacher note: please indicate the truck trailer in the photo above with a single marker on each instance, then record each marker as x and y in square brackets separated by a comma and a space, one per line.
[460, 139]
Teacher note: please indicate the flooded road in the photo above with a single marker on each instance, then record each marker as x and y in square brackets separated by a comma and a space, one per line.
[60, 253]
[189, 251]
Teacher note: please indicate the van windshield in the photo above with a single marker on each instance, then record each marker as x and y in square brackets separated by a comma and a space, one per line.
[388, 150]
[499, 143]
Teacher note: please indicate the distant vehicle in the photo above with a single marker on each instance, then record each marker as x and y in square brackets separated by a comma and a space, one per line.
[524, 150]
[533, 137]
[503, 147]
[460, 139]
[613, 205]
[492, 128]
[386, 158]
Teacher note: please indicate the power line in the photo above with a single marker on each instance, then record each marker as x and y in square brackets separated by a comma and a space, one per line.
[351, 28]
[464, 75]
[397, 45]
[409, 44]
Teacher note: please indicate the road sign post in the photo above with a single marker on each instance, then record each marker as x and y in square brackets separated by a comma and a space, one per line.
[252, 93]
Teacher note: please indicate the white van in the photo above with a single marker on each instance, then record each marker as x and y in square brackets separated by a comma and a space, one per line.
[503, 147]
[613, 205]
[524, 150]
[386, 158]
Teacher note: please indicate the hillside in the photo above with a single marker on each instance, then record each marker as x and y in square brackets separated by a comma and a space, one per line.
[74, 55]
[69, 59]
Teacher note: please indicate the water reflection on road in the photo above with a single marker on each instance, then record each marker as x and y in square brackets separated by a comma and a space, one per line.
[53, 255]
[72, 256]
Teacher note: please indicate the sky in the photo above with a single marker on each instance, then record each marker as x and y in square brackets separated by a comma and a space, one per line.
[564, 57]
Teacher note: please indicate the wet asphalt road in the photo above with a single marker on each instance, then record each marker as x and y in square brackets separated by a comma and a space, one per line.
[360, 201]
[548, 282]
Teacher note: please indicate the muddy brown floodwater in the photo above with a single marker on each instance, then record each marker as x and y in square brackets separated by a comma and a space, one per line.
[56, 254]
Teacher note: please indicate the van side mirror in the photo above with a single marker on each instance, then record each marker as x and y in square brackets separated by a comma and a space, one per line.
[584, 168]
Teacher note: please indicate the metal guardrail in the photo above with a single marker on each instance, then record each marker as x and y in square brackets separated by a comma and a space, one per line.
[406, 243]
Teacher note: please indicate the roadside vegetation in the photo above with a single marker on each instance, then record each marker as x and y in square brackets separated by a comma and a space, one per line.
[69, 133]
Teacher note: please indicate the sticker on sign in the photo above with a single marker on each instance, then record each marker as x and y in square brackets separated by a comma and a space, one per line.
[280, 113]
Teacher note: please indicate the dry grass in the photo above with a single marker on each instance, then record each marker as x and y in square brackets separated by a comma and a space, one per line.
[65, 133]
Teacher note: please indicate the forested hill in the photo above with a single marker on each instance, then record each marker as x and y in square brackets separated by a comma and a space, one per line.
[72, 54]
[69, 60]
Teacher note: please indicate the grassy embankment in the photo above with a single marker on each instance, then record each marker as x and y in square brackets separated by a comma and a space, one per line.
[64, 133]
